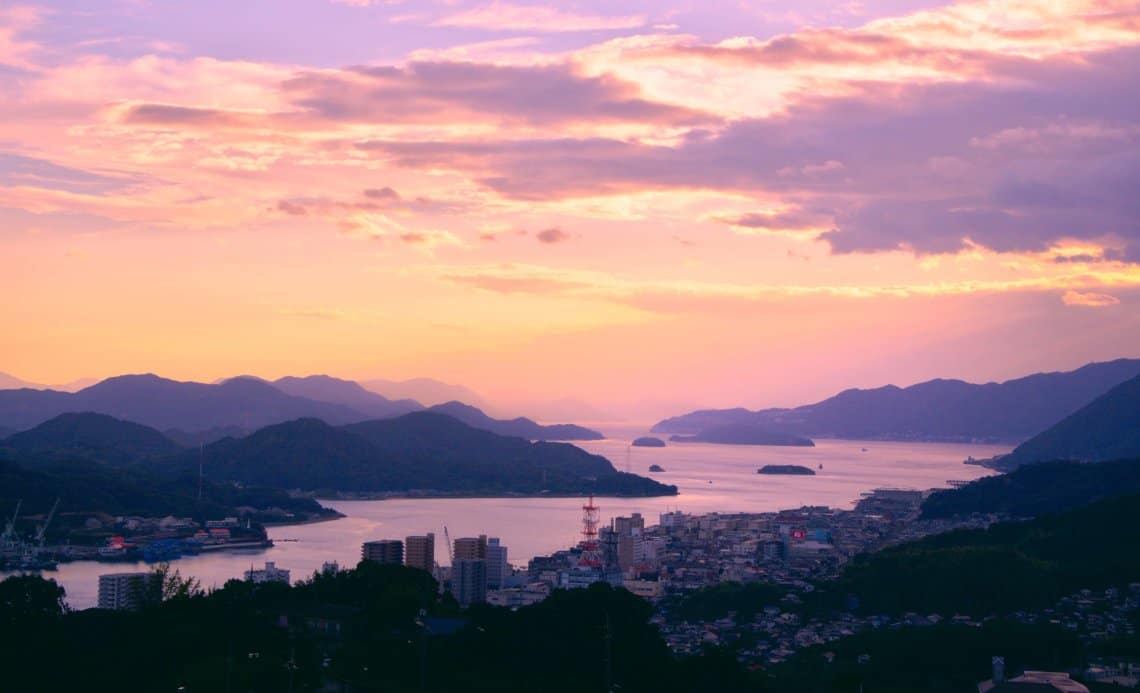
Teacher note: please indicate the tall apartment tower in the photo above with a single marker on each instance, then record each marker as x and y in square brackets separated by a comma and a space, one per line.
[123, 591]
[630, 551]
[625, 526]
[471, 547]
[420, 552]
[469, 580]
[497, 567]
[383, 551]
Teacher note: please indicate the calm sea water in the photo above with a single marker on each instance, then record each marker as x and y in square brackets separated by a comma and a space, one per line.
[711, 478]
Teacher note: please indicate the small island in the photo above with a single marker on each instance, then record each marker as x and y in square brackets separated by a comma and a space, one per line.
[743, 434]
[649, 442]
[785, 469]
[656, 468]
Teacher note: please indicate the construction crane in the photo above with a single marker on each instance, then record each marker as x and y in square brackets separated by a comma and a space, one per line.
[44, 527]
[9, 536]
[450, 551]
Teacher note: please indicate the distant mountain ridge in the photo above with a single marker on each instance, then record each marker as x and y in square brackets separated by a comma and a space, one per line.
[324, 388]
[1108, 428]
[11, 382]
[520, 427]
[194, 413]
[169, 404]
[936, 410]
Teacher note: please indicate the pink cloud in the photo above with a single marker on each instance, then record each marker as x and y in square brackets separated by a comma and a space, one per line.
[865, 156]
[1089, 299]
[454, 92]
[16, 51]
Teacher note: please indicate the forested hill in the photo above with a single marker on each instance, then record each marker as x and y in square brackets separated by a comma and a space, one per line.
[421, 452]
[1037, 489]
[90, 436]
[1007, 567]
[1108, 428]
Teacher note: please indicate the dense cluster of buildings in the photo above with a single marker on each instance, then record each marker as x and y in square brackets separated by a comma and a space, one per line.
[478, 569]
[684, 552]
[681, 553]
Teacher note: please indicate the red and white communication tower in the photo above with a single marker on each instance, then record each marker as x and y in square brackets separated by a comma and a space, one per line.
[591, 553]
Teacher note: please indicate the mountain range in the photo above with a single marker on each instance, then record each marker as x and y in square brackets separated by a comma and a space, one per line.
[196, 413]
[323, 388]
[936, 410]
[161, 403]
[420, 452]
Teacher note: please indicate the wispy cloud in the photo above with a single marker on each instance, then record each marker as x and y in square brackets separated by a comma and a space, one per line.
[16, 51]
[688, 295]
[502, 16]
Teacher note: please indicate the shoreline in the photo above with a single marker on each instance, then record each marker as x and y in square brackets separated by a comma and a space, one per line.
[337, 515]
[403, 495]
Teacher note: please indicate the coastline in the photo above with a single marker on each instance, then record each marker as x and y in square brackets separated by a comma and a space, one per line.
[992, 463]
[337, 515]
[443, 495]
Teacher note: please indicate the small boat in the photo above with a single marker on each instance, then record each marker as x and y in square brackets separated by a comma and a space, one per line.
[821, 466]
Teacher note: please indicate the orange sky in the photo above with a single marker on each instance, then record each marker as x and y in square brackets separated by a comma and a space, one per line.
[651, 208]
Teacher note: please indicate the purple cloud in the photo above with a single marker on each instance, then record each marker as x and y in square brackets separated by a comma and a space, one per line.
[384, 194]
[441, 92]
[1047, 150]
[552, 235]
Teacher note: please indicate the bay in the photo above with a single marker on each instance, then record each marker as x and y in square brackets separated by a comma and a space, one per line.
[710, 478]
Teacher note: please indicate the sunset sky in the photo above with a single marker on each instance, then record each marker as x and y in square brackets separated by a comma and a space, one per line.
[647, 206]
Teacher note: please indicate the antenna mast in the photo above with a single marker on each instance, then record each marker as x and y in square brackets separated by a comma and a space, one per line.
[591, 556]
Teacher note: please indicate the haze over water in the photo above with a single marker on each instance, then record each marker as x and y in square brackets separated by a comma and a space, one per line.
[536, 526]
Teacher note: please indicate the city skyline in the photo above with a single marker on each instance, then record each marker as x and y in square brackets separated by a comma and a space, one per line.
[711, 204]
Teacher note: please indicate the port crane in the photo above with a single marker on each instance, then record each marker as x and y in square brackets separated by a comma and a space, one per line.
[8, 539]
[44, 527]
